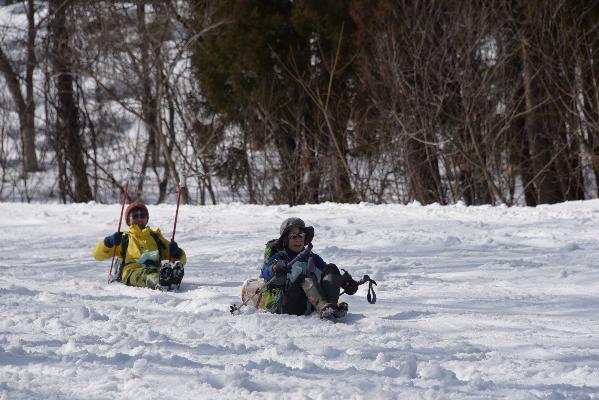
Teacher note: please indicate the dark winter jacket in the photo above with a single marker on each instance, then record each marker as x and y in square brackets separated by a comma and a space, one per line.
[318, 262]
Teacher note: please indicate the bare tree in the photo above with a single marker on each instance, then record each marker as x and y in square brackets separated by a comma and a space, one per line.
[67, 113]
[397, 69]
[25, 103]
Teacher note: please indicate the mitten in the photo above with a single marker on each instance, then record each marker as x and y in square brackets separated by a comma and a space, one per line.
[174, 249]
[279, 268]
[348, 283]
[113, 240]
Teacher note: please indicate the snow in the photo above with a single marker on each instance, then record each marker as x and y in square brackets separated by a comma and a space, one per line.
[473, 303]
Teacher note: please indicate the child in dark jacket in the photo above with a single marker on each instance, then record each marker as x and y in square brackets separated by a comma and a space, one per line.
[307, 285]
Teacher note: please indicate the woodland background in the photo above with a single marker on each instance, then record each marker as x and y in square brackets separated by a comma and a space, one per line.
[292, 102]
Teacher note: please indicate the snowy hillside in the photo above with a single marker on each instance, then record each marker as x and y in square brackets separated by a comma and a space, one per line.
[473, 303]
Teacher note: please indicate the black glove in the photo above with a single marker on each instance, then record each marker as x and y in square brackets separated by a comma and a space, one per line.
[279, 268]
[348, 283]
[174, 249]
[331, 269]
[113, 240]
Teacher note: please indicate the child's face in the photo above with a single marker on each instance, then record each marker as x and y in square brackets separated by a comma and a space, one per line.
[138, 217]
[296, 238]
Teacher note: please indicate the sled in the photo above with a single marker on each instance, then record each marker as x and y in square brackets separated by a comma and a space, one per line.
[250, 293]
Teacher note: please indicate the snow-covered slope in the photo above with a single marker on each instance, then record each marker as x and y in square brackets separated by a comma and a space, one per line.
[473, 303]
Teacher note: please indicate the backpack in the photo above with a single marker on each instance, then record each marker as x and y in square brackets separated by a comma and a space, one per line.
[125, 244]
[272, 294]
[271, 248]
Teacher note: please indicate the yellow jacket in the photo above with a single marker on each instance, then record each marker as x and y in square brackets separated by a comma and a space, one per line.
[140, 241]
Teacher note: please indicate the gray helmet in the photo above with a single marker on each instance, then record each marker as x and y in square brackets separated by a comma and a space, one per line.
[290, 223]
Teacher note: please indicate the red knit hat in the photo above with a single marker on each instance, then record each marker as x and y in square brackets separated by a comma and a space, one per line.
[136, 205]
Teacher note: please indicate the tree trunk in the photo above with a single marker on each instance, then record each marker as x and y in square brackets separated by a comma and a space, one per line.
[590, 98]
[308, 163]
[148, 104]
[342, 185]
[289, 190]
[521, 161]
[422, 172]
[25, 105]
[149, 150]
[28, 130]
[545, 179]
[67, 121]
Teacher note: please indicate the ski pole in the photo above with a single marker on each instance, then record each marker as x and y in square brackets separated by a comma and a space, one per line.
[125, 194]
[176, 217]
[177, 212]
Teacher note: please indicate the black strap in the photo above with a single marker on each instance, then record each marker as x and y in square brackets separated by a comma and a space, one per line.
[371, 299]
[371, 296]
[311, 269]
[159, 244]
[125, 245]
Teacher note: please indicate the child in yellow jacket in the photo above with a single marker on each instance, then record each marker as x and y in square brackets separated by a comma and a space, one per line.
[144, 250]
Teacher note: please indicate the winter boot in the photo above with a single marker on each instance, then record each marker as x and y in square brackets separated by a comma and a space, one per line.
[166, 275]
[341, 310]
[178, 273]
[333, 312]
[328, 312]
